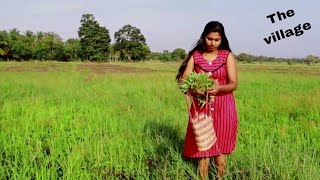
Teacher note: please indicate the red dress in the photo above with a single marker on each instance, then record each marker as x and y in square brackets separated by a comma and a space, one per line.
[223, 110]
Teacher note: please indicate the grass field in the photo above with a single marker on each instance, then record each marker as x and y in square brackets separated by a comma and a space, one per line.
[128, 121]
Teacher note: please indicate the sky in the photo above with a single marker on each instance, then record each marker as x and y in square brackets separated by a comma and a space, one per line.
[171, 24]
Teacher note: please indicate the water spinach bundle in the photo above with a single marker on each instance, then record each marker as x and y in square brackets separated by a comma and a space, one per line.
[199, 83]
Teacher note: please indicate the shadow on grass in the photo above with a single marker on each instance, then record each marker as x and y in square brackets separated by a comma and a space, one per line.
[169, 143]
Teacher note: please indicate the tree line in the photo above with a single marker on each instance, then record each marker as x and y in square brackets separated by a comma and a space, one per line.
[94, 44]
[247, 58]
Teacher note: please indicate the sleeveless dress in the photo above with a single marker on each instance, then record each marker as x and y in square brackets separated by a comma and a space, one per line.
[223, 110]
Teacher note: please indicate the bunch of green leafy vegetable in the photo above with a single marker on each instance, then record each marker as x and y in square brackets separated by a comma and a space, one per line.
[198, 83]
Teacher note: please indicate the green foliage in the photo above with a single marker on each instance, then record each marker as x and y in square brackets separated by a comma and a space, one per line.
[311, 60]
[131, 44]
[248, 58]
[94, 39]
[5, 45]
[53, 46]
[155, 56]
[1, 52]
[178, 54]
[199, 82]
[42, 46]
[196, 81]
[72, 49]
[19, 46]
[166, 56]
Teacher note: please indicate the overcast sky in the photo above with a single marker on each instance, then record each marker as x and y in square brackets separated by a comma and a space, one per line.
[170, 24]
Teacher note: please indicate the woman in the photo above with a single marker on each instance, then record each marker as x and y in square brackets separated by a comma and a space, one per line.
[212, 55]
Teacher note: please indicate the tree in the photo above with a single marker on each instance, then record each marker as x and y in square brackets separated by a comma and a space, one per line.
[178, 54]
[94, 39]
[21, 45]
[49, 47]
[155, 55]
[131, 44]
[166, 56]
[39, 48]
[72, 49]
[5, 45]
[114, 54]
[243, 57]
[30, 41]
[311, 60]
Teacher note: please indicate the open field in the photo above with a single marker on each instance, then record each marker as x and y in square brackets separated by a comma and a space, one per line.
[128, 121]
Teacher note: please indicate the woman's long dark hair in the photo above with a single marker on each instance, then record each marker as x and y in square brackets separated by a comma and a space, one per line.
[213, 26]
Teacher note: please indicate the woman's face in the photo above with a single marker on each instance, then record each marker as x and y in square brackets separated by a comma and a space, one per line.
[213, 40]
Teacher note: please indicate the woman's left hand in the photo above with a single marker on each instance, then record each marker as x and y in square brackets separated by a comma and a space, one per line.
[215, 89]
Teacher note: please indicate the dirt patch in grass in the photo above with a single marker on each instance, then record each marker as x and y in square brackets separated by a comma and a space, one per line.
[105, 68]
[14, 69]
[111, 68]
[281, 70]
[40, 69]
[37, 67]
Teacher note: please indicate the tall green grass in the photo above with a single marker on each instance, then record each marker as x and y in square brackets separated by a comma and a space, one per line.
[80, 125]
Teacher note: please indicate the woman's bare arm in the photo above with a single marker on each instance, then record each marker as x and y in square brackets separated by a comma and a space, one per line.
[232, 76]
